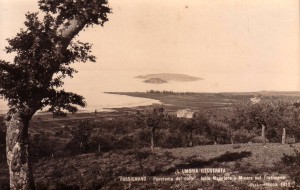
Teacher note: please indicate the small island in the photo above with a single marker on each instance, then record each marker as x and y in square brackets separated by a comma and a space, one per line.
[155, 81]
[161, 78]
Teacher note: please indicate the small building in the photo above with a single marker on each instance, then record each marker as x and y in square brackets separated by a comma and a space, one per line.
[185, 113]
[256, 99]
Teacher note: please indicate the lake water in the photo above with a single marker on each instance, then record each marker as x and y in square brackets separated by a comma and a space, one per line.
[93, 83]
[105, 102]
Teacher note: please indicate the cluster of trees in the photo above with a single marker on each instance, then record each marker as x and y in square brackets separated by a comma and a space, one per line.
[43, 145]
[154, 126]
[273, 119]
[170, 131]
[166, 92]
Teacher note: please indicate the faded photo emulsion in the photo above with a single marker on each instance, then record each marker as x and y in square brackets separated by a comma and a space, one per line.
[148, 94]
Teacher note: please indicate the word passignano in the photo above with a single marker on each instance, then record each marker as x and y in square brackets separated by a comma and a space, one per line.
[139, 178]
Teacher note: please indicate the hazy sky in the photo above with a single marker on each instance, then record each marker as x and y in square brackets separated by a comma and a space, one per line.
[251, 43]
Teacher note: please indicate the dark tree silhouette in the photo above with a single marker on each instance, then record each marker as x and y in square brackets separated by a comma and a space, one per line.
[198, 123]
[153, 117]
[81, 135]
[44, 51]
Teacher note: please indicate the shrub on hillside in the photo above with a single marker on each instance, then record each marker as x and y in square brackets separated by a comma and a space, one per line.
[102, 143]
[143, 138]
[293, 165]
[219, 131]
[242, 136]
[173, 141]
[41, 146]
[81, 135]
[126, 142]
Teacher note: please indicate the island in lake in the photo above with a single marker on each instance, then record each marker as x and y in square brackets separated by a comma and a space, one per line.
[161, 78]
[155, 81]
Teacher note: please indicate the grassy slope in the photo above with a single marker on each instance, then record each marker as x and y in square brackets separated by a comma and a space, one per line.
[265, 156]
[105, 169]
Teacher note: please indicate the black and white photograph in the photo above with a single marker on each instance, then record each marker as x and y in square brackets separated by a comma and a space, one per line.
[149, 94]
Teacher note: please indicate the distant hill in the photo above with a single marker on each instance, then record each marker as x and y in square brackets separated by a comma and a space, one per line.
[170, 77]
[155, 81]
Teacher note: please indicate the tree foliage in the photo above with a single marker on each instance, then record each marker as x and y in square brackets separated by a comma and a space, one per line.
[275, 115]
[82, 133]
[44, 51]
[219, 131]
[153, 116]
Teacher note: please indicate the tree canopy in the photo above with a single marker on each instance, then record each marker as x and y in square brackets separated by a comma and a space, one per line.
[275, 115]
[44, 51]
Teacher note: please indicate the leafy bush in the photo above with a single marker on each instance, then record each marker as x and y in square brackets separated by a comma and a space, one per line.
[293, 165]
[106, 143]
[173, 140]
[41, 146]
[242, 136]
[125, 142]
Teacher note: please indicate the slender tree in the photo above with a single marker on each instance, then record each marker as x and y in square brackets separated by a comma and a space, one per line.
[81, 135]
[219, 131]
[197, 124]
[44, 51]
[190, 125]
[153, 117]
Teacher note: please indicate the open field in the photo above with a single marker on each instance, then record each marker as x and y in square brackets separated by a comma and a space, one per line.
[218, 103]
[209, 100]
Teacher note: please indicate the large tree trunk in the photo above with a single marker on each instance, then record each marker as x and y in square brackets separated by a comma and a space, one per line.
[283, 136]
[20, 171]
[263, 136]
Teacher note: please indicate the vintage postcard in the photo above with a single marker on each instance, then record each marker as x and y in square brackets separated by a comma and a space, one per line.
[149, 94]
